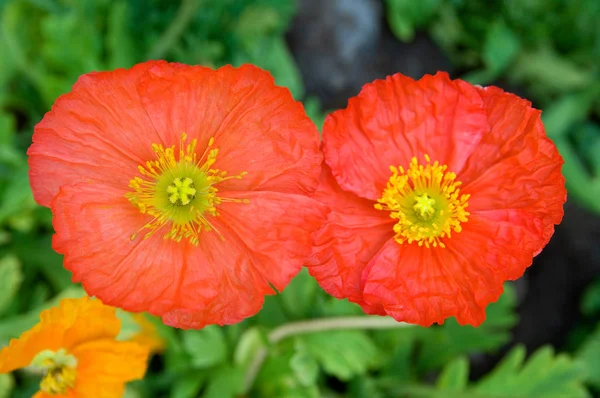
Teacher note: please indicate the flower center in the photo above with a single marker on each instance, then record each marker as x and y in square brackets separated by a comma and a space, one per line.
[426, 201]
[60, 370]
[178, 191]
[181, 191]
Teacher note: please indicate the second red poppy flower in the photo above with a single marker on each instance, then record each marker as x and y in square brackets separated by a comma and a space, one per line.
[440, 191]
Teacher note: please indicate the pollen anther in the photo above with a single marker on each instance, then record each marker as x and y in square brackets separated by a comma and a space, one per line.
[426, 202]
[178, 189]
[60, 370]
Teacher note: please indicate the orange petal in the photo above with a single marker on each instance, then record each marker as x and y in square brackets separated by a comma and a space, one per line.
[516, 154]
[427, 285]
[257, 126]
[136, 275]
[353, 234]
[72, 322]
[269, 250]
[92, 133]
[147, 335]
[109, 362]
[392, 120]
[216, 282]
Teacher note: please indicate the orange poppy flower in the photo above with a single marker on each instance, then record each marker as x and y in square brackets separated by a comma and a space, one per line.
[440, 191]
[74, 347]
[146, 334]
[179, 190]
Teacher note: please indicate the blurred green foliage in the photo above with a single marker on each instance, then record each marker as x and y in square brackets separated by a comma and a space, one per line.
[548, 51]
[45, 45]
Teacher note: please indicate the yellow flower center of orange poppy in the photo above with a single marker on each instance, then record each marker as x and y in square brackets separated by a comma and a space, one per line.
[426, 201]
[60, 370]
[178, 191]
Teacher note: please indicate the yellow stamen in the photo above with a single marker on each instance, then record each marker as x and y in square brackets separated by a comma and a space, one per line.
[60, 370]
[178, 190]
[425, 201]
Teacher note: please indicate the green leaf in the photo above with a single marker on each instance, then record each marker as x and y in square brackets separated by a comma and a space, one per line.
[297, 298]
[589, 356]
[305, 367]
[277, 379]
[500, 48]
[273, 54]
[11, 277]
[313, 109]
[187, 385]
[455, 375]
[544, 375]
[207, 347]
[586, 137]
[17, 199]
[365, 387]
[225, 382]
[580, 185]
[544, 67]
[251, 341]
[120, 47]
[443, 343]
[405, 16]
[561, 115]
[43, 258]
[343, 354]
[590, 303]
[7, 383]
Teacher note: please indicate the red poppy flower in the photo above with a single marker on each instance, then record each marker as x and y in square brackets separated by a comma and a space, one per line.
[179, 190]
[440, 191]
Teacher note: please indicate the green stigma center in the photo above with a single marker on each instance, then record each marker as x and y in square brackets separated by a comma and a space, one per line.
[59, 370]
[424, 206]
[181, 191]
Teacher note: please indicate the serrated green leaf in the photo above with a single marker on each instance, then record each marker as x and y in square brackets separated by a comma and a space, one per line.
[589, 356]
[443, 343]
[11, 277]
[455, 375]
[277, 379]
[305, 367]
[207, 347]
[344, 354]
[544, 375]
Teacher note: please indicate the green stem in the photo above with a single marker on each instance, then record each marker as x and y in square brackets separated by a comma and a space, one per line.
[184, 16]
[313, 326]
